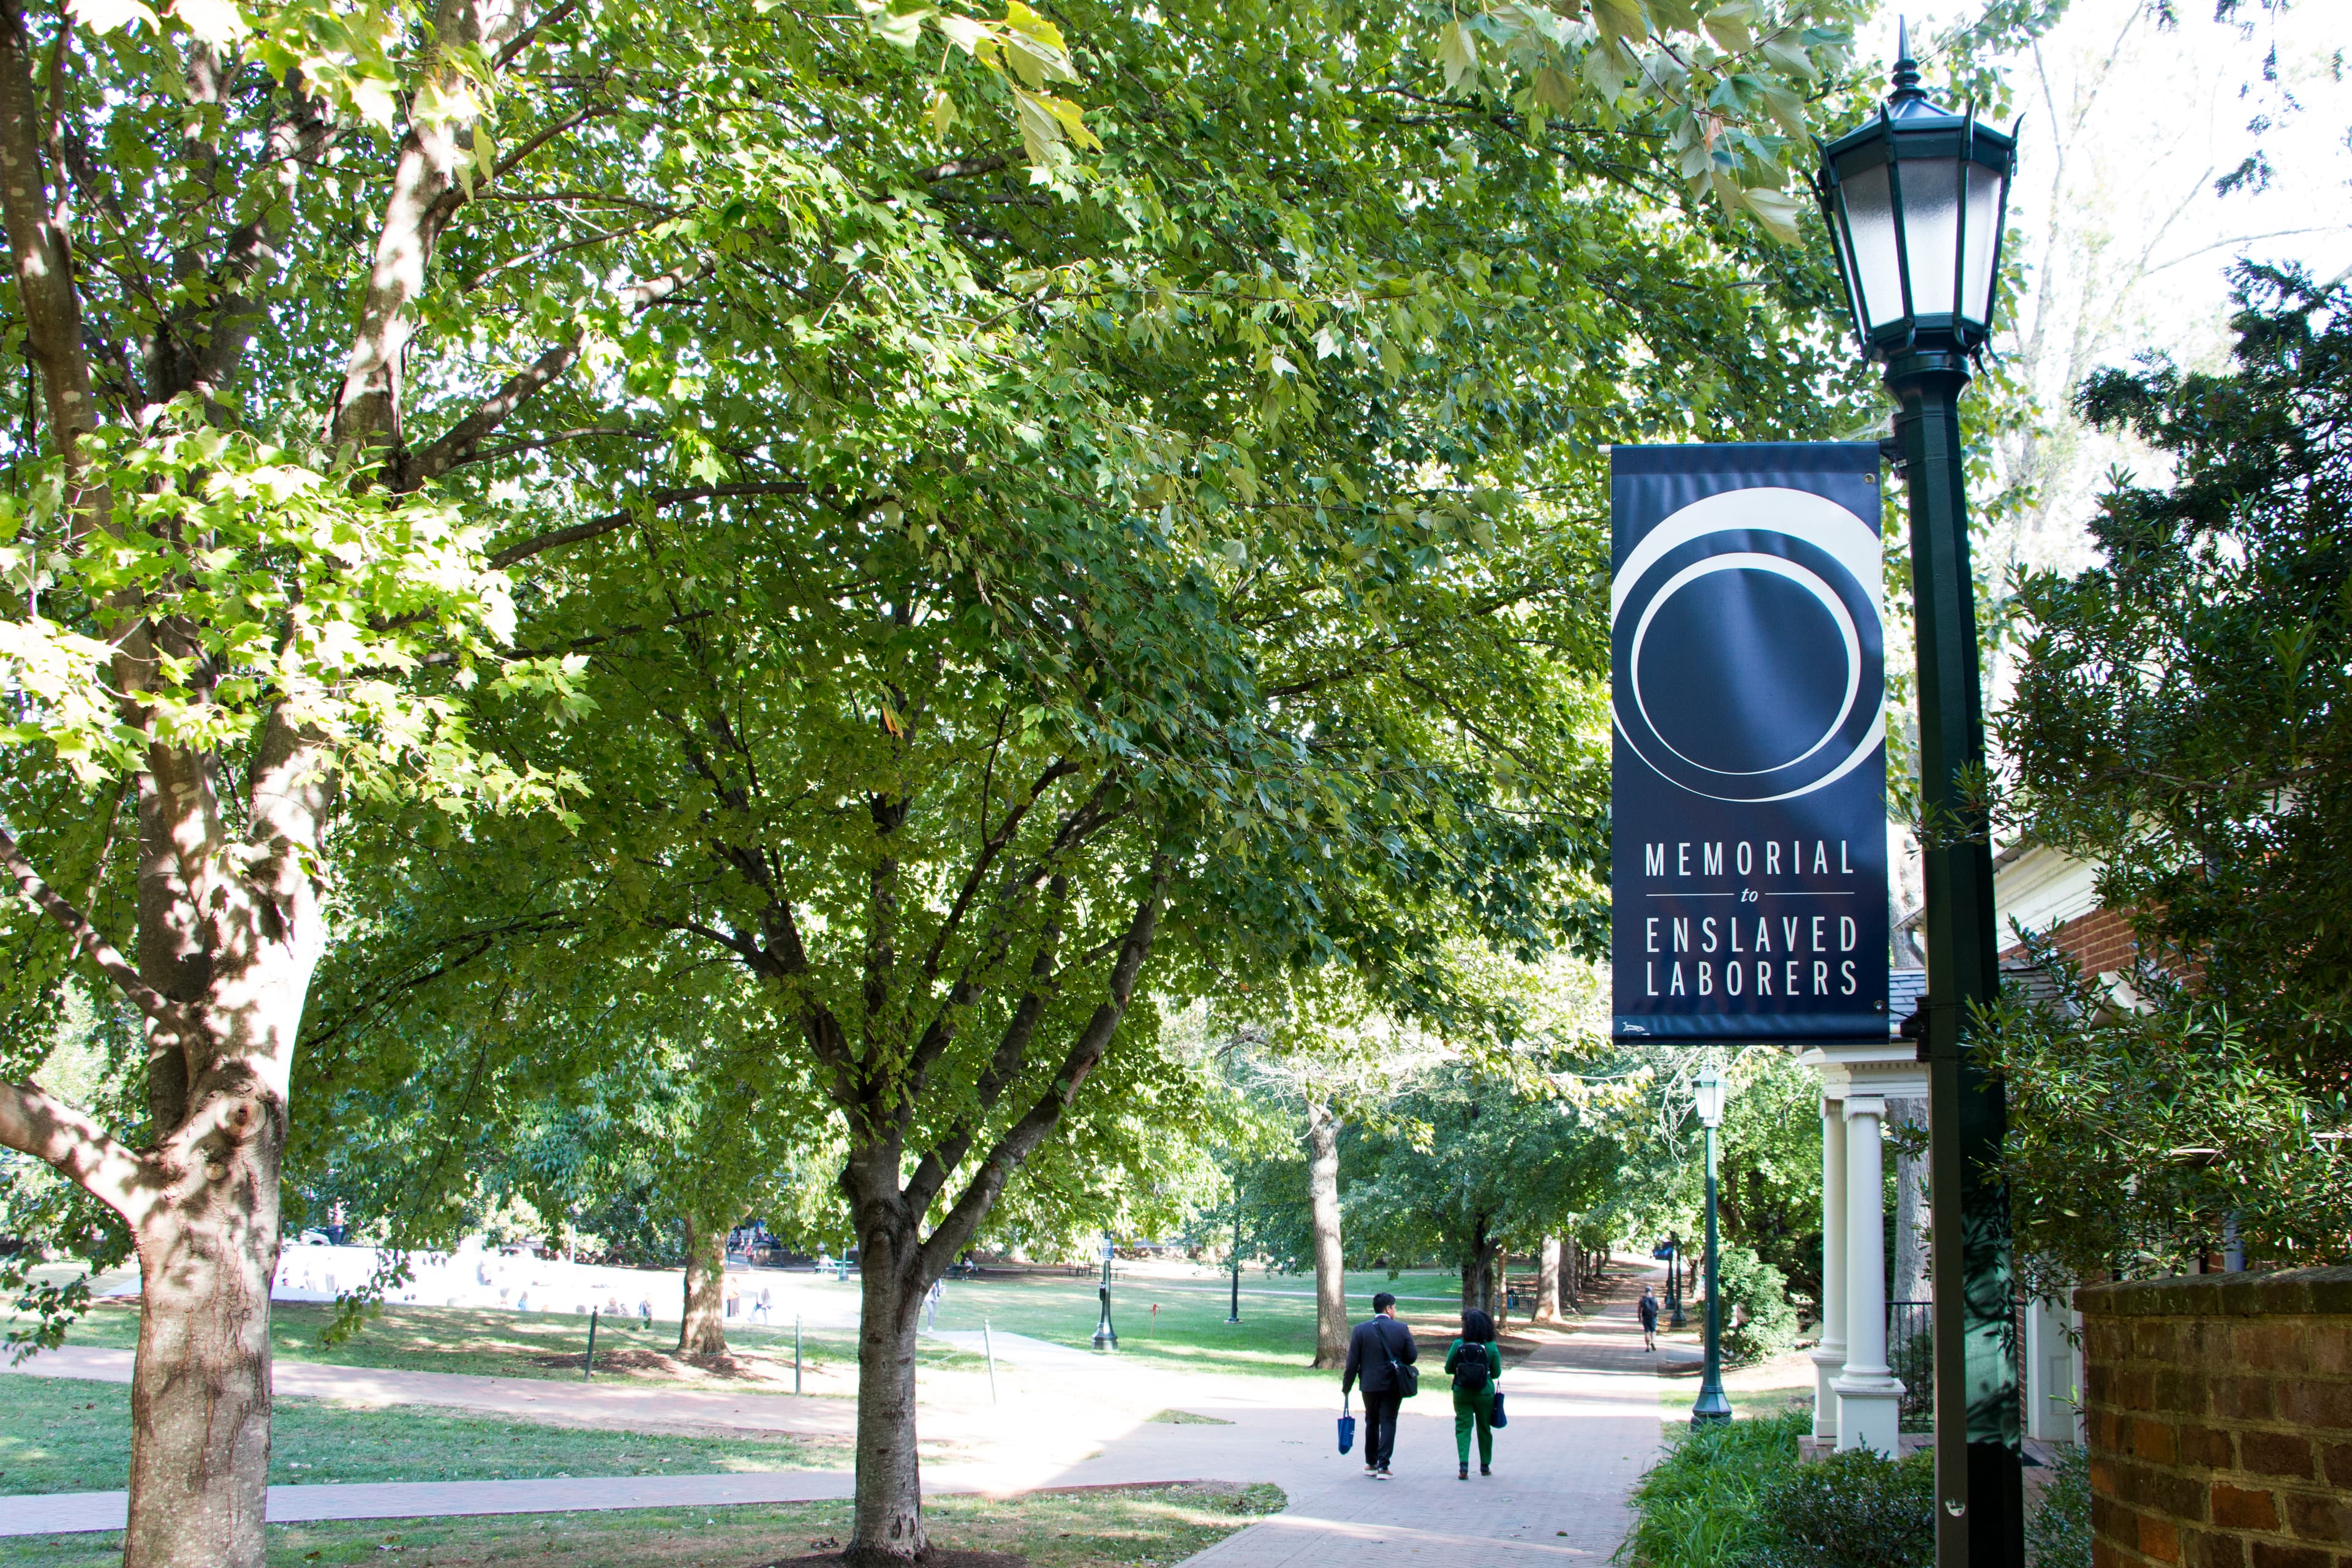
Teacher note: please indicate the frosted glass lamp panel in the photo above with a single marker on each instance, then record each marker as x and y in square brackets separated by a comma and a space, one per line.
[1984, 241]
[1870, 227]
[1931, 234]
[1846, 269]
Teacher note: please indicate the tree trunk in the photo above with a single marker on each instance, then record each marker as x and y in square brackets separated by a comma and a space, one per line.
[887, 1526]
[702, 1331]
[200, 1385]
[1478, 1270]
[1909, 1282]
[1572, 1272]
[1548, 1281]
[1323, 1202]
[222, 1003]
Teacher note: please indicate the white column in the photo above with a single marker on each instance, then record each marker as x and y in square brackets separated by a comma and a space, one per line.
[1870, 1411]
[1829, 1358]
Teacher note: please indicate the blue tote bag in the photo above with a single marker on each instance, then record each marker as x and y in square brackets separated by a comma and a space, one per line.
[1347, 1426]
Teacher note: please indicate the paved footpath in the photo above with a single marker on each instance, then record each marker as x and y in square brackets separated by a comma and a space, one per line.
[1584, 1424]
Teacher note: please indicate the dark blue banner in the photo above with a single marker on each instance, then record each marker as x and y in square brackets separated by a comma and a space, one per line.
[1749, 768]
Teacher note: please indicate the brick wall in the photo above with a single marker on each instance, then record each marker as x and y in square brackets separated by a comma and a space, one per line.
[2100, 942]
[2220, 1412]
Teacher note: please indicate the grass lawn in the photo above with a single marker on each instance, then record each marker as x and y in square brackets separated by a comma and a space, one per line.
[1275, 1336]
[523, 1344]
[1081, 1530]
[69, 1435]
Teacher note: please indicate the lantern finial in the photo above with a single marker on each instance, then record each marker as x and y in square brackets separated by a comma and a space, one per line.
[1907, 69]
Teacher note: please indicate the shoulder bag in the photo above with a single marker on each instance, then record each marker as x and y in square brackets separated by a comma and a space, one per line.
[1407, 1375]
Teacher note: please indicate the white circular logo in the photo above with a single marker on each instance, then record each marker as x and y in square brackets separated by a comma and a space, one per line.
[1755, 670]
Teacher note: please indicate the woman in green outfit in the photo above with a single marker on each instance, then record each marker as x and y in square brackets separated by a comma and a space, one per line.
[1475, 1363]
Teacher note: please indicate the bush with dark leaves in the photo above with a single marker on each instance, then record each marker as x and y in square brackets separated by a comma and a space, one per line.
[1854, 1509]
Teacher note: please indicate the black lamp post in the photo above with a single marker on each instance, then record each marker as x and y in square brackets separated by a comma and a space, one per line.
[1915, 200]
[1707, 1096]
[1675, 1318]
[1106, 1337]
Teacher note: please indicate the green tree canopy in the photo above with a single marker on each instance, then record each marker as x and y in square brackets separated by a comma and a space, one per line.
[2178, 722]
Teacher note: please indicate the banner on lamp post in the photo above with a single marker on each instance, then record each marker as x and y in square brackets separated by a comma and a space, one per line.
[1749, 824]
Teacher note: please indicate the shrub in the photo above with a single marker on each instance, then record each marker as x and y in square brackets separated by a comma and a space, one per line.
[2058, 1533]
[1696, 1508]
[1854, 1509]
[1760, 1322]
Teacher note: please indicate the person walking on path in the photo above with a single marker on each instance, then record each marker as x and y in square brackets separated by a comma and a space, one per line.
[1379, 1352]
[931, 1305]
[1474, 1361]
[1648, 1309]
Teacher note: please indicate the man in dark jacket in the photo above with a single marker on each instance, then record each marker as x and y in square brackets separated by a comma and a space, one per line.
[1379, 1346]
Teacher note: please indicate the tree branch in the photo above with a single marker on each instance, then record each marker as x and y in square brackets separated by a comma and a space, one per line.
[38, 246]
[1004, 1065]
[961, 1223]
[34, 1121]
[597, 526]
[462, 441]
[86, 937]
[1059, 768]
[367, 405]
[964, 168]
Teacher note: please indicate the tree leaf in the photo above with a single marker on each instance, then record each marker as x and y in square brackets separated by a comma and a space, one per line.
[1620, 21]
[1776, 210]
[1555, 91]
[1457, 51]
[1727, 25]
[904, 29]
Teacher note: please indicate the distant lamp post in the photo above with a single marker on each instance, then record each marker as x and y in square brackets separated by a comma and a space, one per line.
[1675, 1318]
[1916, 199]
[1106, 1337]
[1707, 1096]
[1235, 1315]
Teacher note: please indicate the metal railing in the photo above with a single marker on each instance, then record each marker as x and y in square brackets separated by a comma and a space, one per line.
[1911, 1357]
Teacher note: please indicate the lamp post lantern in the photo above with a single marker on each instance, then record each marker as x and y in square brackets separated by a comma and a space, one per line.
[1916, 199]
[1106, 1337]
[1707, 1096]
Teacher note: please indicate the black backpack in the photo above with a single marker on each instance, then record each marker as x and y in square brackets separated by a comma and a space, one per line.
[1471, 1372]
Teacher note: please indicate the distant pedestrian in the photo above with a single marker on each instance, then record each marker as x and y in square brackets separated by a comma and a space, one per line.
[1474, 1362]
[1648, 1308]
[646, 1310]
[734, 1300]
[932, 1300]
[760, 1307]
[1381, 1356]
